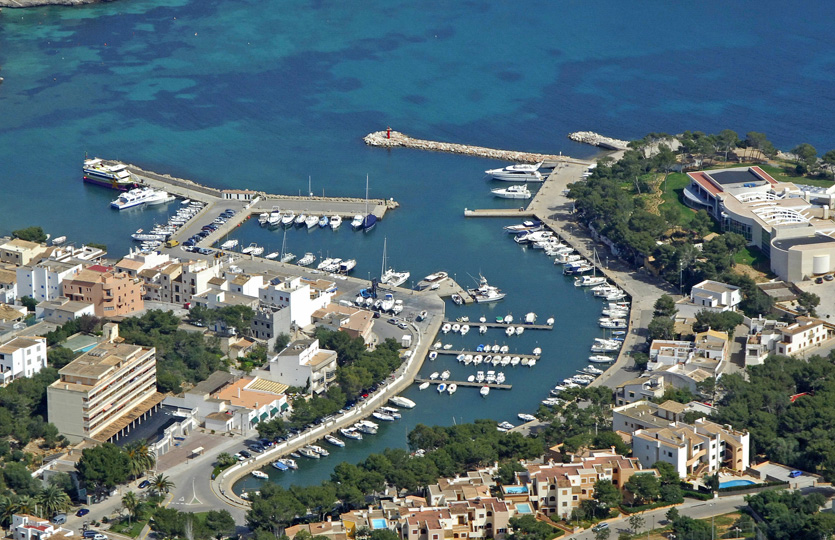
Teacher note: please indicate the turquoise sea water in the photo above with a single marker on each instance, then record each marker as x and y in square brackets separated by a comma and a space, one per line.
[251, 95]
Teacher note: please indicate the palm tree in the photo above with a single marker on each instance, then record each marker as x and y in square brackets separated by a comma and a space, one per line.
[161, 484]
[140, 458]
[26, 505]
[8, 507]
[52, 500]
[131, 502]
[225, 459]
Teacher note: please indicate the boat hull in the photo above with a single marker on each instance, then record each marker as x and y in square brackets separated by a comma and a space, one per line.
[108, 183]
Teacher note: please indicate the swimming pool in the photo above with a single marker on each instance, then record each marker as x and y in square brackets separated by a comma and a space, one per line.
[734, 483]
[523, 508]
[515, 490]
[378, 523]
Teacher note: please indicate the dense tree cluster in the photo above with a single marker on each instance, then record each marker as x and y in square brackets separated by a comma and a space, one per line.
[32, 234]
[577, 426]
[238, 317]
[181, 356]
[799, 434]
[789, 514]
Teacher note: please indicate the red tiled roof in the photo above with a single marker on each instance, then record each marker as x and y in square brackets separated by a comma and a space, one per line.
[99, 268]
[764, 175]
[702, 179]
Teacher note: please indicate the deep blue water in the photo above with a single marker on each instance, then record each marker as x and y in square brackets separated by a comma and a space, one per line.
[251, 95]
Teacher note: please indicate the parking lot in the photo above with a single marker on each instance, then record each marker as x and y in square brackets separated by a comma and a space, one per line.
[782, 473]
[826, 291]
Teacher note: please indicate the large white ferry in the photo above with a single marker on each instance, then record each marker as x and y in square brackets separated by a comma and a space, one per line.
[110, 174]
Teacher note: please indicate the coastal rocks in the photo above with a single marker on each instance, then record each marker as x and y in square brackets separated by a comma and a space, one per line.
[391, 139]
[595, 139]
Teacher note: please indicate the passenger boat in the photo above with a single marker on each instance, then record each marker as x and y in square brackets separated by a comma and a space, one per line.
[512, 192]
[401, 401]
[110, 174]
[485, 390]
[334, 441]
[351, 433]
[261, 475]
[336, 222]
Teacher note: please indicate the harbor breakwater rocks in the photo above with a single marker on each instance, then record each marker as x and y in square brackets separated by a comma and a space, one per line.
[392, 139]
[595, 139]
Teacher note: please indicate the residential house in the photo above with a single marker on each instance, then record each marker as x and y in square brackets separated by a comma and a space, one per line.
[762, 339]
[645, 387]
[716, 295]
[20, 252]
[269, 322]
[802, 335]
[22, 357]
[303, 364]
[8, 286]
[354, 322]
[300, 296]
[29, 527]
[62, 309]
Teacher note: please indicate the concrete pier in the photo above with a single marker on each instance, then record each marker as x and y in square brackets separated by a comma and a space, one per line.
[466, 383]
[475, 324]
[393, 139]
[510, 354]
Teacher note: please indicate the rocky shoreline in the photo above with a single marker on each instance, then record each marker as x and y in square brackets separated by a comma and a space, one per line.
[595, 139]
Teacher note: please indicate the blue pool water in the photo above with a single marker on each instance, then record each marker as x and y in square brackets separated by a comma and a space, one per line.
[735, 483]
[378, 523]
[523, 508]
[515, 490]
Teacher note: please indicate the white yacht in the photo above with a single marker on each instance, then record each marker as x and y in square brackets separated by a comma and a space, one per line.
[324, 221]
[288, 217]
[264, 219]
[249, 249]
[484, 391]
[347, 265]
[336, 221]
[229, 244]
[388, 304]
[401, 401]
[589, 281]
[311, 221]
[526, 417]
[134, 197]
[356, 223]
[512, 192]
[257, 250]
[274, 218]
[486, 292]
[300, 220]
[272, 255]
[519, 172]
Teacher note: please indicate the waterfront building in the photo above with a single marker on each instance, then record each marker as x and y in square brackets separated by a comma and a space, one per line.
[62, 309]
[715, 295]
[802, 335]
[245, 284]
[557, 489]
[302, 363]
[20, 252]
[136, 261]
[214, 299]
[105, 392]
[193, 280]
[43, 281]
[113, 294]
[29, 527]
[354, 322]
[473, 485]
[646, 387]
[658, 433]
[791, 224]
[269, 322]
[22, 357]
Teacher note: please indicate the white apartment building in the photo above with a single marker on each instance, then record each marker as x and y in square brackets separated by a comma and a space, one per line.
[804, 334]
[28, 527]
[62, 310]
[104, 391]
[43, 281]
[762, 339]
[716, 295]
[301, 363]
[296, 294]
[22, 357]
[8, 286]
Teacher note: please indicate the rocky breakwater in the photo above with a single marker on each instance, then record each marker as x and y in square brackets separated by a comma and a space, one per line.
[391, 139]
[595, 139]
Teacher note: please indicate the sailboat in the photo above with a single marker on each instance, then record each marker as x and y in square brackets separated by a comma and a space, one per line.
[285, 257]
[370, 220]
[388, 276]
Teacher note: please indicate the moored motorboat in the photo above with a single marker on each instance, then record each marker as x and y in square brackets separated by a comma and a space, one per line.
[401, 401]
[442, 388]
[485, 390]
[311, 221]
[307, 260]
[261, 475]
[518, 172]
[423, 386]
[512, 192]
[452, 388]
[229, 244]
[334, 441]
[526, 417]
[356, 223]
[335, 222]
[278, 464]
[324, 221]
[351, 433]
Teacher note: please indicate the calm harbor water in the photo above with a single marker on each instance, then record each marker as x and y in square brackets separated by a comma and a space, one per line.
[238, 95]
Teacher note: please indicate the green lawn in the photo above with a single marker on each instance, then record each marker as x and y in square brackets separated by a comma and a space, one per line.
[133, 529]
[753, 257]
[672, 194]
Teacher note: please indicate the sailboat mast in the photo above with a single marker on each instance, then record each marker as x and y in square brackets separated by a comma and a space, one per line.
[383, 268]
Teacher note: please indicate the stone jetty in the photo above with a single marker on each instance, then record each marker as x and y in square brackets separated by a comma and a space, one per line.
[391, 139]
[595, 139]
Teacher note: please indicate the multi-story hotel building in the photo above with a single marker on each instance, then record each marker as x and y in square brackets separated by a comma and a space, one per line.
[104, 392]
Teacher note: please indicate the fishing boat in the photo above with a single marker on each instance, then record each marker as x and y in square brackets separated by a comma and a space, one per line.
[319, 450]
[486, 292]
[277, 464]
[307, 260]
[442, 388]
[423, 386]
[485, 390]
[380, 415]
[334, 441]
[512, 192]
[324, 221]
[452, 388]
[336, 222]
[356, 223]
[261, 475]
[519, 172]
[351, 433]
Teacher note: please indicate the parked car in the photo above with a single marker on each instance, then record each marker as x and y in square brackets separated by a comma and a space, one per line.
[245, 454]
[82, 512]
[819, 280]
[143, 484]
[795, 474]
[92, 534]
[59, 519]
[828, 277]
[600, 527]
[258, 449]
